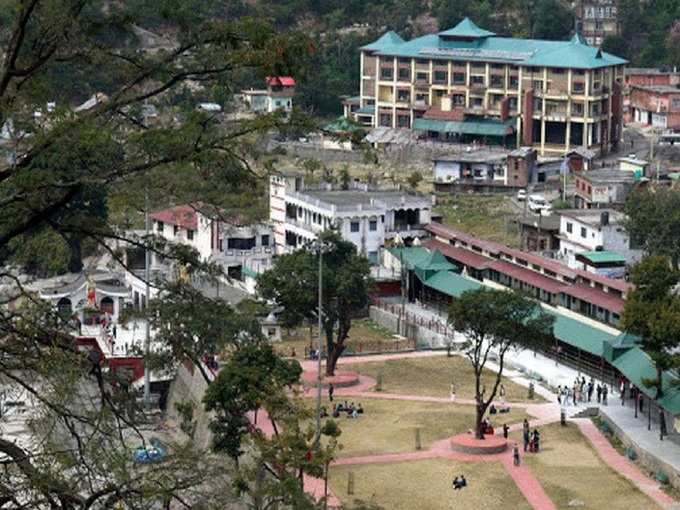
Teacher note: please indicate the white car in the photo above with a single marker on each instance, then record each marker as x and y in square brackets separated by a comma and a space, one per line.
[537, 203]
[521, 195]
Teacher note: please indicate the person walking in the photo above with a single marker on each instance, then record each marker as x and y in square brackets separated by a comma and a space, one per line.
[591, 386]
[599, 393]
[515, 455]
[501, 392]
[453, 392]
[559, 395]
[331, 390]
[604, 394]
[506, 429]
[575, 394]
[525, 434]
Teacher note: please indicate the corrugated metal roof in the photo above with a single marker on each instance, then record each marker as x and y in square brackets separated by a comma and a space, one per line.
[451, 284]
[489, 48]
[603, 256]
[466, 29]
[365, 110]
[637, 366]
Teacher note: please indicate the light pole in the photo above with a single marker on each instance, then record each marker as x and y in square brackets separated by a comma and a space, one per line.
[319, 246]
[399, 243]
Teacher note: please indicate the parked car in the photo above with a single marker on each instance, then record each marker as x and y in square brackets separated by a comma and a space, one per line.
[521, 195]
[537, 203]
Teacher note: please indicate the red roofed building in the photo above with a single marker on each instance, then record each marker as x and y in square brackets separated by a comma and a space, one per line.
[548, 280]
[278, 96]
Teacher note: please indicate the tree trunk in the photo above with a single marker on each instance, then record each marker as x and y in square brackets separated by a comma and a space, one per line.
[75, 264]
[333, 356]
[479, 432]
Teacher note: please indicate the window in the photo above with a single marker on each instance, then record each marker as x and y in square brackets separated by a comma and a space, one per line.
[537, 84]
[404, 74]
[570, 227]
[190, 235]
[403, 96]
[175, 230]
[458, 99]
[514, 81]
[403, 121]
[373, 225]
[478, 80]
[440, 76]
[265, 240]
[497, 80]
[477, 102]
[512, 103]
[160, 226]
[458, 78]
[386, 73]
[405, 61]
[422, 77]
[584, 234]
[354, 226]
[386, 119]
[578, 87]
[577, 109]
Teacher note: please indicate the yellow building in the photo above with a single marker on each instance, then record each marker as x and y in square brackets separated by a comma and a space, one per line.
[466, 84]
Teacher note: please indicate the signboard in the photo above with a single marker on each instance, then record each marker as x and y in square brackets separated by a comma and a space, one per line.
[600, 194]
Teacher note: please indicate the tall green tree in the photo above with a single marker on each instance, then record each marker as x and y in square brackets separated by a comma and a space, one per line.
[654, 221]
[58, 167]
[251, 389]
[496, 321]
[652, 311]
[293, 284]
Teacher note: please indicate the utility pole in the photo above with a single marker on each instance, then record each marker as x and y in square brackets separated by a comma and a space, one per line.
[147, 276]
[317, 437]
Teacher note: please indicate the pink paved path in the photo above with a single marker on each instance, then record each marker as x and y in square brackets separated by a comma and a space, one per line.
[623, 465]
[527, 483]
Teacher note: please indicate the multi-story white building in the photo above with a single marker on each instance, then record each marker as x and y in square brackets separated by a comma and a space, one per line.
[601, 230]
[363, 216]
[243, 249]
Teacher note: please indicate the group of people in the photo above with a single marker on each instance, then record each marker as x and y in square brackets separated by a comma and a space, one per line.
[353, 411]
[459, 482]
[531, 439]
[582, 392]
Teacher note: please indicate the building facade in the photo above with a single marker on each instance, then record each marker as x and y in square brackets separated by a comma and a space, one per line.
[278, 96]
[467, 84]
[604, 188]
[652, 97]
[597, 19]
[366, 217]
[584, 232]
[243, 249]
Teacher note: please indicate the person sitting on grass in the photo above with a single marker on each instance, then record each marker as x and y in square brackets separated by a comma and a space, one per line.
[336, 411]
[360, 409]
[323, 412]
[492, 409]
[459, 482]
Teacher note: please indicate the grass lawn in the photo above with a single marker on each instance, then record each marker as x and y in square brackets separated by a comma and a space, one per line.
[365, 335]
[426, 484]
[432, 376]
[388, 426]
[569, 469]
[488, 217]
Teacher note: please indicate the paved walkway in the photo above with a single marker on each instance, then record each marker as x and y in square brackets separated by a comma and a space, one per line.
[543, 414]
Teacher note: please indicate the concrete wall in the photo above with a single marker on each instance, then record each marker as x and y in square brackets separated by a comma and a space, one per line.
[190, 387]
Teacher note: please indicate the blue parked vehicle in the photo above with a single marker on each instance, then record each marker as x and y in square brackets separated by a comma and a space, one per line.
[154, 452]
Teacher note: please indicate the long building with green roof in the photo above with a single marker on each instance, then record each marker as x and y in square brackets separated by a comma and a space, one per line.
[467, 83]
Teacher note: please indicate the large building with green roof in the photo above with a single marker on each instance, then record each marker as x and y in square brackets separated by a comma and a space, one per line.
[466, 84]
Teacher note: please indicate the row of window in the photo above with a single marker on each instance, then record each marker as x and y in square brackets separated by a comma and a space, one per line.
[570, 230]
[354, 226]
[175, 230]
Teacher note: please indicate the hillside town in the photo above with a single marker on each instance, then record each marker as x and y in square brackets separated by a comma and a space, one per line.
[450, 280]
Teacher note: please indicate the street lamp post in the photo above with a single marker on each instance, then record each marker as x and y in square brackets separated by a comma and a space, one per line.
[320, 246]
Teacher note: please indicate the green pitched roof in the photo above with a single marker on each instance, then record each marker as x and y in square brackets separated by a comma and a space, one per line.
[386, 39]
[411, 255]
[466, 29]
[451, 284]
[476, 44]
[599, 257]
[432, 264]
[637, 366]
[365, 110]
[482, 127]
[580, 334]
